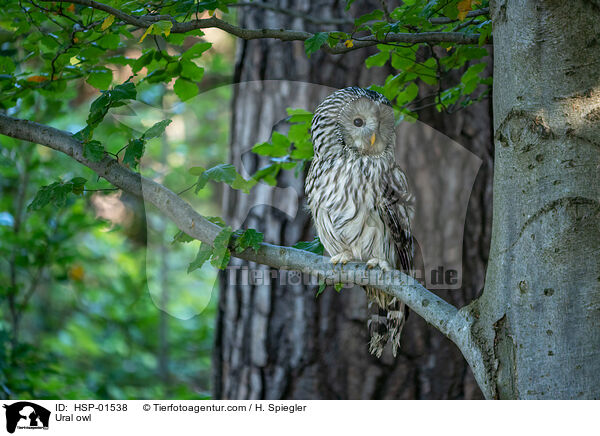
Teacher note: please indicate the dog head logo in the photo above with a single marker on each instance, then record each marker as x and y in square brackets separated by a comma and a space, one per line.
[26, 415]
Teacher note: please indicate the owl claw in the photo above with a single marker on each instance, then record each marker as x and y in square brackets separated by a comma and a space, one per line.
[381, 263]
[344, 258]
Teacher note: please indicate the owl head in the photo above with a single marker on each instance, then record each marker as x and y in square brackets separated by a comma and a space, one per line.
[354, 120]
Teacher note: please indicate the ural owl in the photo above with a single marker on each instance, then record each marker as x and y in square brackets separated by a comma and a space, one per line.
[359, 197]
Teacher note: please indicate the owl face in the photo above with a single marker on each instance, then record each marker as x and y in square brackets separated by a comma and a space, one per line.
[367, 126]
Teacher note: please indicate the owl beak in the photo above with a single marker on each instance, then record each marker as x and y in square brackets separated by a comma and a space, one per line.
[373, 137]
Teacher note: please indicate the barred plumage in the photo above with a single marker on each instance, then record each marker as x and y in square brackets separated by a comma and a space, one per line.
[359, 197]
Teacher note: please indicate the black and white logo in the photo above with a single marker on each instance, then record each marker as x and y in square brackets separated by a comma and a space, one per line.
[26, 415]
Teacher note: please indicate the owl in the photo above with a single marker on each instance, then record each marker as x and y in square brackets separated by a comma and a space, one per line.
[359, 198]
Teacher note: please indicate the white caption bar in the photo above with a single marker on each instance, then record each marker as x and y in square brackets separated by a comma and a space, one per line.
[296, 417]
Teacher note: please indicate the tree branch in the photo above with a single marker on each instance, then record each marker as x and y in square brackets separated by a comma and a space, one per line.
[292, 13]
[454, 324]
[145, 21]
[470, 14]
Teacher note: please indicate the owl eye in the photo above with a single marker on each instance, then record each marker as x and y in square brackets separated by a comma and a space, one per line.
[358, 122]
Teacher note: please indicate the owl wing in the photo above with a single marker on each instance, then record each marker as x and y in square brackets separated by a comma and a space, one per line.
[396, 209]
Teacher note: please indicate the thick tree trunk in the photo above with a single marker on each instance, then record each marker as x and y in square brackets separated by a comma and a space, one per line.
[540, 312]
[275, 341]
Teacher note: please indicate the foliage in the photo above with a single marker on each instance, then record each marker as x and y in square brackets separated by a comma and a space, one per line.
[79, 319]
[218, 254]
[56, 193]
[313, 246]
[420, 63]
[225, 173]
[287, 152]
[248, 239]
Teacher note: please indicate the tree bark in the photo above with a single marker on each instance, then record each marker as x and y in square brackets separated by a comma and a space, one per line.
[540, 312]
[275, 341]
[471, 128]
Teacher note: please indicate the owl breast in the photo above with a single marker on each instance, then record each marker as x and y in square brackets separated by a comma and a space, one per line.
[343, 197]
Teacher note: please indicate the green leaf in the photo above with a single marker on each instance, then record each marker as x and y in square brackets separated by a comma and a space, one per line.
[485, 30]
[156, 130]
[338, 287]
[182, 237]
[220, 173]
[225, 173]
[334, 38]
[322, 287]
[100, 79]
[125, 91]
[268, 174]
[204, 253]
[110, 41]
[185, 89]
[161, 27]
[221, 254]
[99, 109]
[279, 140]
[197, 171]
[313, 246]
[411, 91]
[43, 196]
[242, 184]
[56, 193]
[93, 151]
[470, 79]
[299, 116]
[404, 59]
[142, 61]
[134, 152]
[378, 59]
[472, 72]
[7, 66]
[298, 133]
[78, 184]
[315, 42]
[249, 239]
[50, 41]
[121, 60]
[267, 149]
[279, 146]
[305, 152]
[176, 38]
[209, 5]
[426, 71]
[108, 99]
[196, 50]
[451, 10]
[191, 71]
[376, 15]
[392, 86]
[216, 220]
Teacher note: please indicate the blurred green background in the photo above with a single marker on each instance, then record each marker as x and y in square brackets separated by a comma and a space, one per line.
[83, 286]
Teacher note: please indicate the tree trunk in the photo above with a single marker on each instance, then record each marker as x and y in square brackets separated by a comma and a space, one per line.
[277, 341]
[540, 312]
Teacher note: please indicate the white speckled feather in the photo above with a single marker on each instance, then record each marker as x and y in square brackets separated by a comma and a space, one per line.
[359, 198]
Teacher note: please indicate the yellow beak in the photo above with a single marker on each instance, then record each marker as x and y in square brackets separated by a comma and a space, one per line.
[372, 139]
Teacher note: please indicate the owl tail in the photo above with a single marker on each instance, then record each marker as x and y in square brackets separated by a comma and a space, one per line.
[386, 325]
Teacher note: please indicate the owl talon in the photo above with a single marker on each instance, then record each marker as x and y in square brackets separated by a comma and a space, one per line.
[344, 258]
[381, 263]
